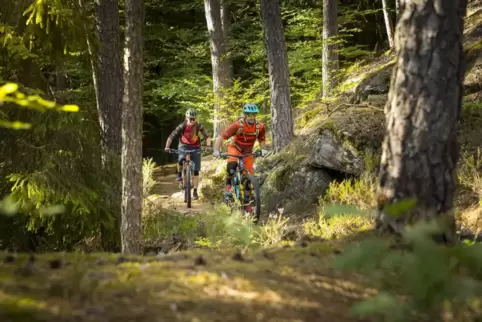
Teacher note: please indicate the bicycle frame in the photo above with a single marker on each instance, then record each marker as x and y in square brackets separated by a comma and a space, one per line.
[238, 186]
[187, 162]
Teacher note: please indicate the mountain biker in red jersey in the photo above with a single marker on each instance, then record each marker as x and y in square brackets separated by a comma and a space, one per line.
[188, 133]
[244, 132]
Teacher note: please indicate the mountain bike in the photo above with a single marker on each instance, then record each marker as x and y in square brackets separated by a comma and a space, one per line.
[245, 188]
[187, 169]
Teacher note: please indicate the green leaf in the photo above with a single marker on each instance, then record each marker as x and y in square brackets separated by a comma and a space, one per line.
[382, 304]
[70, 108]
[8, 206]
[16, 125]
[399, 208]
[6, 89]
[52, 210]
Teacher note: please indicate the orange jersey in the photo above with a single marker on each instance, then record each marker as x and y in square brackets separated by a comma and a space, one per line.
[244, 139]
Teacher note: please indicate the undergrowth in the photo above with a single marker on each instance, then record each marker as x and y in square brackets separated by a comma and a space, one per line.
[219, 228]
[427, 281]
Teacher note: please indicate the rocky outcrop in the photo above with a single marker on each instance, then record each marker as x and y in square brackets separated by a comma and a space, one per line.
[295, 178]
[328, 152]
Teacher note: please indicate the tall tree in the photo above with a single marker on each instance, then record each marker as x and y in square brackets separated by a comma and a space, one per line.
[226, 24]
[279, 76]
[330, 49]
[220, 65]
[420, 150]
[109, 100]
[388, 23]
[132, 128]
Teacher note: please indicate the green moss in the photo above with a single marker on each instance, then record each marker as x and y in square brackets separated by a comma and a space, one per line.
[279, 283]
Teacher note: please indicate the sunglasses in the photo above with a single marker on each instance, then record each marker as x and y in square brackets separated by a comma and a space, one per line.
[192, 120]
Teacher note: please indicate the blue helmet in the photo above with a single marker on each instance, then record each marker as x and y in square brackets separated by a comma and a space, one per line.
[250, 108]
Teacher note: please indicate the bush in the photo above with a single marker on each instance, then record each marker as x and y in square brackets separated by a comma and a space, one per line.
[429, 281]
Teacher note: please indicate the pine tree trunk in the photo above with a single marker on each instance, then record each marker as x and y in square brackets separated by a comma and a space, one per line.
[279, 77]
[330, 50]
[220, 66]
[420, 150]
[388, 23]
[109, 82]
[132, 128]
[226, 24]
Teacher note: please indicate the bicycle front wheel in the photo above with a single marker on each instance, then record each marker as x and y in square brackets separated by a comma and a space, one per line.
[252, 193]
[187, 187]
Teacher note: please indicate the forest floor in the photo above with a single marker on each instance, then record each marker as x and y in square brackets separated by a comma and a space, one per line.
[293, 282]
[288, 281]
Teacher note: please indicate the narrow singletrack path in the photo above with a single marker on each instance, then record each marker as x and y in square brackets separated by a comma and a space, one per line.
[167, 194]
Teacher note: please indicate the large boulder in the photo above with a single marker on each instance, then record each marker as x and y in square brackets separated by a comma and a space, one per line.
[329, 152]
[290, 185]
[335, 147]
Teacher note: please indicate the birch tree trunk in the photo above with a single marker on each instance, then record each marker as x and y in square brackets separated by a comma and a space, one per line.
[279, 77]
[220, 67]
[132, 128]
[330, 50]
[420, 149]
[388, 23]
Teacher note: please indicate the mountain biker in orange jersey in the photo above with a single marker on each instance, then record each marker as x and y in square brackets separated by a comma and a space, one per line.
[245, 132]
[188, 133]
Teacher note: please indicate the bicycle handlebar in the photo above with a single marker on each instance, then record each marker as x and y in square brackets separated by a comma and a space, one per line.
[239, 156]
[184, 151]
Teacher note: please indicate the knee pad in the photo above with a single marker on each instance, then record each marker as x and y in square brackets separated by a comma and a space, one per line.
[231, 167]
[196, 173]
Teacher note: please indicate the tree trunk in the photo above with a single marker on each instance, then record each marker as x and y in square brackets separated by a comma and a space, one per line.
[109, 82]
[219, 64]
[420, 150]
[226, 24]
[279, 77]
[330, 50]
[388, 23]
[132, 128]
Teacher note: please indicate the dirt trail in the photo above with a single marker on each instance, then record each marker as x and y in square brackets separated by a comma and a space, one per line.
[167, 189]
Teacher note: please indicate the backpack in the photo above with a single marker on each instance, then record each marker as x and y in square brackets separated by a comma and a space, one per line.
[241, 124]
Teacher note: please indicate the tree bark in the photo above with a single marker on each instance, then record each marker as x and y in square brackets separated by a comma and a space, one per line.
[226, 24]
[388, 23]
[279, 77]
[109, 73]
[330, 50]
[420, 149]
[132, 128]
[219, 63]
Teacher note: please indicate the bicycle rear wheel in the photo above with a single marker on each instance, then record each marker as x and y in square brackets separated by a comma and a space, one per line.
[252, 193]
[187, 187]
